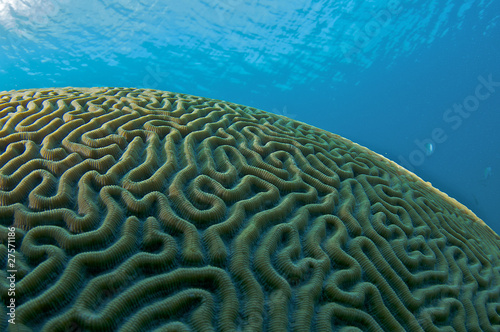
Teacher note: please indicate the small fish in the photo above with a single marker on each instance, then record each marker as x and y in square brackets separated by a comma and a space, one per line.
[429, 149]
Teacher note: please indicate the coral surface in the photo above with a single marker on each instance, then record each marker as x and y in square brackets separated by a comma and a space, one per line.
[143, 209]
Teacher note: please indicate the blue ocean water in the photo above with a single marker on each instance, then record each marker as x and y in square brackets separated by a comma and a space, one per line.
[416, 81]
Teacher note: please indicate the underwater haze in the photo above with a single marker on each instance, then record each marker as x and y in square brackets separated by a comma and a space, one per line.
[416, 81]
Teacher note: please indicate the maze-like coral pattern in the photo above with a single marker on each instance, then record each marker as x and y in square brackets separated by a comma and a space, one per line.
[143, 210]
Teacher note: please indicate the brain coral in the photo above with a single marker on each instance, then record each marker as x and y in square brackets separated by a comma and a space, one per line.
[144, 210]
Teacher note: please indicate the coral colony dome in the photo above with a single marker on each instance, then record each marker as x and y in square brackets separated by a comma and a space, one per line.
[140, 209]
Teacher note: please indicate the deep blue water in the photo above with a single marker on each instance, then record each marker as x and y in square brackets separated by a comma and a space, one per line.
[417, 81]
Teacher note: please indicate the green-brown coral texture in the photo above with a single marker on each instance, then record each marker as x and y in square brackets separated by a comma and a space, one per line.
[140, 210]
